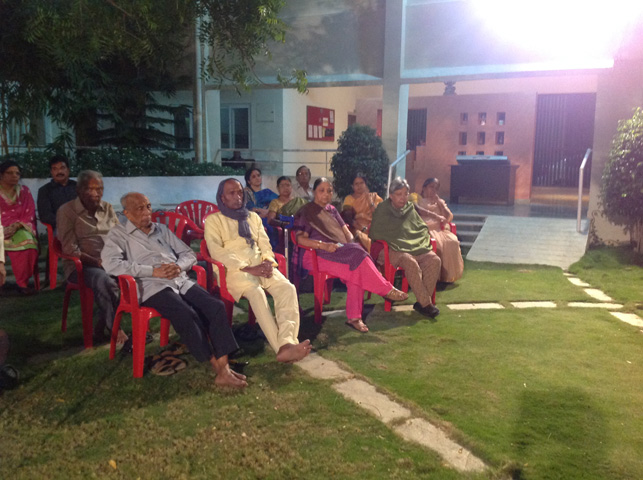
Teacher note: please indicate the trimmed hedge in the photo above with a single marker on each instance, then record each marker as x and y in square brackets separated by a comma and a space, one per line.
[124, 162]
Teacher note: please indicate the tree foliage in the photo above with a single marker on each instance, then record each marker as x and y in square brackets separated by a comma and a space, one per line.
[359, 150]
[80, 61]
[622, 182]
[237, 34]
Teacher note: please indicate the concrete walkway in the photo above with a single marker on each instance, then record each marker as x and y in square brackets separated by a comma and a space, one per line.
[418, 430]
[529, 240]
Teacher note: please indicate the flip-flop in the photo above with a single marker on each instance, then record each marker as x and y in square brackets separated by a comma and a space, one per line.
[166, 365]
[353, 324]
[176, 349]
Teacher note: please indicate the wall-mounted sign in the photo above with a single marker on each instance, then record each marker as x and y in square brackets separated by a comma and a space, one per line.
[320, 124]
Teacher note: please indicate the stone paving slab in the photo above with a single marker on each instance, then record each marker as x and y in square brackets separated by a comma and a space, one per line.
[607, 306]
[387, 410]
[333, 313]
[630, 318]
[534, 304]
[402, 308]
[578, 282]
[422, 432]
[598, 295]
[475, 306]
[319, 367]
[365, 395]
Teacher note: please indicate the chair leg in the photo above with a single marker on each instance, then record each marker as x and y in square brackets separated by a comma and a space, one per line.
[328, 287]
[319, 298]
[114, 336]
[36, 276]
[165, 332]
[87, 314]
[139, 329]
[252, 319]
[391, 278]
[53, 271]
[63, 326]
[229, 307]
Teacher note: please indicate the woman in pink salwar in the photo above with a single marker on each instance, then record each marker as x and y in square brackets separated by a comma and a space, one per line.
[322, 228]
[18, 214]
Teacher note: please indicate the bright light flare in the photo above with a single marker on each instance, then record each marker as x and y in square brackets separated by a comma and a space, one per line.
[561, 29]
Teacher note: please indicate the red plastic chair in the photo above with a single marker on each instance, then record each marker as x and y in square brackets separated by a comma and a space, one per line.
[86, 294]
[140, 320]
[321, 280]
[196, 211]
[174, 221]
[53, 259]
[390, 270]
[222, 287]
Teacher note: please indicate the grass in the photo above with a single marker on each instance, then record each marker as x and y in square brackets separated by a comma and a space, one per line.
[536, 393]
[616, 271]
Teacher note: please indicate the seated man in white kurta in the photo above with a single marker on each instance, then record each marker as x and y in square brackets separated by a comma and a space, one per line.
[236, 237]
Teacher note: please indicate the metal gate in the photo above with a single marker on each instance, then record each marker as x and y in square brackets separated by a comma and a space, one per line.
[564, 131]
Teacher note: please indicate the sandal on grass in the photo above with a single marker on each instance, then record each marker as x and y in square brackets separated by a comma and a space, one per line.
[357, 324]
[166, 365]
[176, 349]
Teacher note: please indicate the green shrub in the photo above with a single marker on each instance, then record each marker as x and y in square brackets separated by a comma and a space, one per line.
[123, 162]
[359, 149]
[33, 164]
[622, 182]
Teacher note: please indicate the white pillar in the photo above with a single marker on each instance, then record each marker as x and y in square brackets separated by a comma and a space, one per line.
[212, 126]
[395, 101]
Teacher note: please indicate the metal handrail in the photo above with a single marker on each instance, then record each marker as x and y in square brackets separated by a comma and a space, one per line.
[252, 151]
[581, 174]
[390, 169]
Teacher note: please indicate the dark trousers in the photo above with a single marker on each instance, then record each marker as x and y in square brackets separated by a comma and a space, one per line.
[106, 295]
[199, 318]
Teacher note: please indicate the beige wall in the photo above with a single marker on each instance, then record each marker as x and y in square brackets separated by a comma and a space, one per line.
[443, 128]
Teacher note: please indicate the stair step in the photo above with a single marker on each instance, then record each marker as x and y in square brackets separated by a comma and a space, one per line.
[469, 226]
[468, 235]
[469, 217]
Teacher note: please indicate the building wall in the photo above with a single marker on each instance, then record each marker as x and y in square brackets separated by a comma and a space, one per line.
[444, 126]
[266, 124]
[342, 100]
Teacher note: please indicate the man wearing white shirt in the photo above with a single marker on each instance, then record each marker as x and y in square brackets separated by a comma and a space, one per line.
[158, 261]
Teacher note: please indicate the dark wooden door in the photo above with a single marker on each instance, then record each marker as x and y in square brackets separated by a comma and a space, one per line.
[564, 132]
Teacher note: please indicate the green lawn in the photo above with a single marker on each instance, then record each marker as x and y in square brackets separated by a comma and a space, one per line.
[536, 393]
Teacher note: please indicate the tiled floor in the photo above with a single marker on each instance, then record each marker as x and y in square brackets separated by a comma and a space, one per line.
[541, 232]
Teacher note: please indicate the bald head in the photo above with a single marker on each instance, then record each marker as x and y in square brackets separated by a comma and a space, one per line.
[138, 210]
[232, 194]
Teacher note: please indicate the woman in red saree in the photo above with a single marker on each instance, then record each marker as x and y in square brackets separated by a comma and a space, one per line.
[18, 214]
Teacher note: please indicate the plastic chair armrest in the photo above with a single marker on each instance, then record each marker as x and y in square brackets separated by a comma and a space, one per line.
[281, 261]
[310, 249]
[129, 290]
[200, 275]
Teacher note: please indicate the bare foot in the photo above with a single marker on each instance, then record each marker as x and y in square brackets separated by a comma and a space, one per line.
[240, 376]
[226, 378]
[121, 338]
[291, 353]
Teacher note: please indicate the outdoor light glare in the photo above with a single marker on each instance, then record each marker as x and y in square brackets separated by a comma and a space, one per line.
[563, 29]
